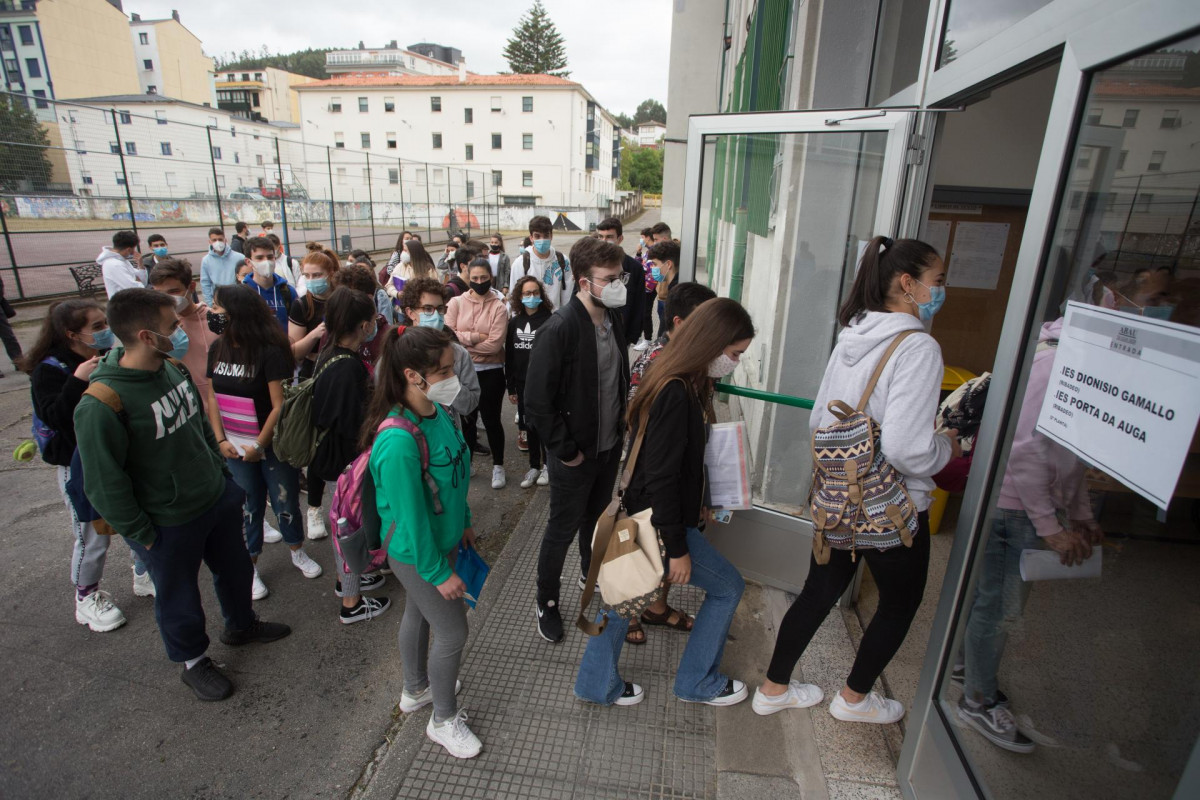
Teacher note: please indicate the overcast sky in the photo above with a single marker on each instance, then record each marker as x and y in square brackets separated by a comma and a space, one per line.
[617, 49]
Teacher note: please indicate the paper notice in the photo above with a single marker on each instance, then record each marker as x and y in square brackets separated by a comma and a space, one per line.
[1046, 565]
[937, 235]
[978, 255]
[728, 461]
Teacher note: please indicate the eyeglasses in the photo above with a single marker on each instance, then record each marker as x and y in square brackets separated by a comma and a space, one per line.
[623, 278]
[431, 309]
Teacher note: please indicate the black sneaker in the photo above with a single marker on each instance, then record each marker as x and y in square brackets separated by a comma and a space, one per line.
[259, 631]
[997, 725]
[958, 677]
[367, 608]
[632, 695]
[366, 583]
[733, 693]
[206, 681]
[480, 449]
[549, 621]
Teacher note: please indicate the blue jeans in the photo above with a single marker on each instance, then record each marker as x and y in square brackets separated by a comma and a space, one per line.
[1000, 597]
[269, 477]
[699, 677]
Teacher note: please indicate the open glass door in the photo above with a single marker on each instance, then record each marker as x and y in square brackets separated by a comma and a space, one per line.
[777, 207]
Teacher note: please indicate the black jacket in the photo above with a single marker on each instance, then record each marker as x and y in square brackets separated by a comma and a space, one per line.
[635, 298]
[562, 392]
[339, 404]
[522, 332]
[238, 243]
[55, 394]
[669, 474]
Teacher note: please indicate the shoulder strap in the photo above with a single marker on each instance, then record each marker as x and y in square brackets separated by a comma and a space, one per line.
[57, 364]
[107, 395]
[887, 354]
[636, 448]
[562, 269]
[334, 360]
[179, 365]
[404, 423]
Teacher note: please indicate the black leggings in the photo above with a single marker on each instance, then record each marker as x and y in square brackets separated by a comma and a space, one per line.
[536, 459]
[648, 315]
[492, 391]
[900, 575]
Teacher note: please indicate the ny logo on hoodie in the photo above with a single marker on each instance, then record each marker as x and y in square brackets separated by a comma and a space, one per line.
[174, 408]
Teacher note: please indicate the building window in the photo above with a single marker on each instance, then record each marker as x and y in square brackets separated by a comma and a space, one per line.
[165, 147]
[393, 176]
[258, 159]
[87, 178]
[526, 141]
[527, 104]
[170, 179]
[1156, 161]
[120, 179]
[470, 189]
[468, 115]
[527, 178]
[497, 177]
[439, 175]
[131, 148]
[341, 176]
[258, 76]
[1143, 202]
[495, 102]
[1121, 159]
[335, 105]
[212, 122]
[220, 181]
[125, 117]
[254, 98]
[437, 141]
[1084, 160]
[366, 140]
[339, 140]
[1094, 116]
[33, 68]
[1130, 120]
[497, 141]
[152, 89]
[435, 103]
[470, 152]
[143, 38]
[366, 176]
[1170, 118]
[114, 148]
[161, 116]
[40, 98]
[26, 33]
[147, 63]
[389, 105]
[236, 158]
[216, 153]
[363, 107]
[391, 140]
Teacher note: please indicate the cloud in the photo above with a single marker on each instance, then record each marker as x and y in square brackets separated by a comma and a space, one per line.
[618, 50]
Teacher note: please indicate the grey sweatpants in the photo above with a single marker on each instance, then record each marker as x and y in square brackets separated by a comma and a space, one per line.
[87, 557]
[425, 608]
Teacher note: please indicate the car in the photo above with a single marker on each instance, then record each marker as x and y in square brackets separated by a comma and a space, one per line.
[243, 194]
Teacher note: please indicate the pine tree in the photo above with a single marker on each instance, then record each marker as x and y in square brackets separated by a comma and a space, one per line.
[23, 148]
[536, 46]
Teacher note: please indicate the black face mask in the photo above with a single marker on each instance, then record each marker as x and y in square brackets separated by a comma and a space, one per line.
[481, 288]
[217, 322]
[495, 248]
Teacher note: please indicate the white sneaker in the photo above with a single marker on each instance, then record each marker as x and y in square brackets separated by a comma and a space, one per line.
[798, 695]
[530, 478]
[410, 703]
[544, 478]
[873, 708]
[517, 418]
[143, 585]
[455, 736]
[258, 589]
[303, 562]
[316, 523]
[642, 344]
[498, 479]
[98, 612]
[271, 534]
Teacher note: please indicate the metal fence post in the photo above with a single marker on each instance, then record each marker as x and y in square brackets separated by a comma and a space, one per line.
[124, 174]
[400, 180]
[428, 229]
[12, 258]
[371, 203]
[287, 244]
[332, 214]
[216, 186]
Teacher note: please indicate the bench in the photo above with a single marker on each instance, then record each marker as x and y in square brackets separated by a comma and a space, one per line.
[85, 279]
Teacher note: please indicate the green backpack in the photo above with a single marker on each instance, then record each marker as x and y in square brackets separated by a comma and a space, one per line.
[296, 437]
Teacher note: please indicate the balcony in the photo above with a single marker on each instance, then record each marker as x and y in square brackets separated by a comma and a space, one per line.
[352, 59]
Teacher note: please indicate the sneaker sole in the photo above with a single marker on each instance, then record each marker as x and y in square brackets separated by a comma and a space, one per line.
[987, 733]
[263, 596]
[201, 697]
[858, 718]
[446, 747]
[96, 627]
[538, 620]
[626, 702]
[319, 572]
[731, 700]
[765, 710]
[318, 537]
[142, 592]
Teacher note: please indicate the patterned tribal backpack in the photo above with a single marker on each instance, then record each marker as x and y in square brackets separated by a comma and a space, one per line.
[857, 496]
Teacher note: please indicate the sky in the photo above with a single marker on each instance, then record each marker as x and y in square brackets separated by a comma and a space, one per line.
[620, 55]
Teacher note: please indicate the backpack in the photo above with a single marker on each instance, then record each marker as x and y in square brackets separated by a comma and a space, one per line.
[43, 433]
[857, 496]
[562, 266]
[353, 515]
[296, 438]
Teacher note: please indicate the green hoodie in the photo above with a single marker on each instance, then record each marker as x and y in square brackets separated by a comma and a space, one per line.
[158, 466]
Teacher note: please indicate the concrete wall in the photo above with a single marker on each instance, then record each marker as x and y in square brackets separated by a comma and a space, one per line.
[187, 74]
[89, 48]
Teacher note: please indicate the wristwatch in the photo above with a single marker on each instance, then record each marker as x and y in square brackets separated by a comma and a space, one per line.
[257, 447]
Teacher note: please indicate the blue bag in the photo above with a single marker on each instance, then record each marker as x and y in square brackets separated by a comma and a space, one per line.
[473, 570]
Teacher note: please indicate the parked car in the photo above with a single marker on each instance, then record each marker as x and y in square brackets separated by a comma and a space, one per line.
[245, 194]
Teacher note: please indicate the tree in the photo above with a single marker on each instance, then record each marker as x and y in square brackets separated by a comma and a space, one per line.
[310, 62]
[536, 46]
[641, 168]
[624, 121]
[23, 146]
[649, 111]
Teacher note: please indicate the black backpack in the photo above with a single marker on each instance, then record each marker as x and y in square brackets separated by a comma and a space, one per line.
[562, 266]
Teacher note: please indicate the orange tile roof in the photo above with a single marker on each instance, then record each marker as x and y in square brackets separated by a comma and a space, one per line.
[473, 79]
[1110, 87]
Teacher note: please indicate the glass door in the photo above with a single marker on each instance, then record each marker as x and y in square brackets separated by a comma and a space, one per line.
[777, 209]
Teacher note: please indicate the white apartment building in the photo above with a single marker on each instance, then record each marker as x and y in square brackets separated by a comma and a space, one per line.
[395, 60]
[650, 133]
[170, 60]
[539, 139]
[265, 94]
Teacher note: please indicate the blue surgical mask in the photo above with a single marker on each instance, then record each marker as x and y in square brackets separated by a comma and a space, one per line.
[179, 343]
[542, 246]
[656, 273]
[1158, 312]
[161, 252]
[317, 286]
[374, 332]
[101, 340]
[434, 320]
[937, 296]
[531, 302]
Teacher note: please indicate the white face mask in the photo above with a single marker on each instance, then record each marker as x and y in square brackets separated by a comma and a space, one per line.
[443, 392]
[612, 295]
[218, 247]
[181, 302]
[721, 366]
[405, 258]
[263, 269]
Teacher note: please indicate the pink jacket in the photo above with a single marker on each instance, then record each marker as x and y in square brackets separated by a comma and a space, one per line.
[1043, 478]
[481, 324]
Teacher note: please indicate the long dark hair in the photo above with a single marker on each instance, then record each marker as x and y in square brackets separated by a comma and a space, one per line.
[414, 348]
[252, 329]
[514, 297]
[704, 335]
[345, 310]
[419, 260]
[68, 316]
[882, 261]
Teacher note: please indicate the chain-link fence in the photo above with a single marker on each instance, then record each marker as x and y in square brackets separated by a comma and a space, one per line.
[71, 175]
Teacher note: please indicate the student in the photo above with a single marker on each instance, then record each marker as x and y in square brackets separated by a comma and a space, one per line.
[663, 261]
[11, 346]
[610, 229]
[646, 326]
[271, 287]
[545, 263]
[307, 313]
[459, 284]
[660, 232]
[117, 266]
[244, 271]
[154, 474]
[267, 228]
[499, 261]
[173, 277]
[286, 268]
[416, 376]
[401, 241]
[219, 267]
[360, 278]
[900, 285]
[241, 232]
[448, 260]
[158, 251]
[339, 403]
[424, 305]
[480, 321]
[59, 365]
[529, 309]
[414, 262]
[575, 400]
[674, 406]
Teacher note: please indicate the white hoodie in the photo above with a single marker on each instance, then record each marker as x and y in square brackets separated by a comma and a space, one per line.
[905, 400]
[118, 272]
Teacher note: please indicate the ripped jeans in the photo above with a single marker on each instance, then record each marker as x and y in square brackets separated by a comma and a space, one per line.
[260, 480]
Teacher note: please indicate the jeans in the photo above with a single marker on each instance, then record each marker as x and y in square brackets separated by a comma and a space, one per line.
[281, 482]
[899, 572]
[577, 497]
[214, 538]
[699, 677]
[9, 337]
[1000, 597]
[492, 390]
[437, 666]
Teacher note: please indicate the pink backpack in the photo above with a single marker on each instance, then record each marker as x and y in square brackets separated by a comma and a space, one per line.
[354, 516]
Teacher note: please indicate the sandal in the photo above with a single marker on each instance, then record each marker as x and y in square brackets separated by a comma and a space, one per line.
[681, 621]
[636, 634]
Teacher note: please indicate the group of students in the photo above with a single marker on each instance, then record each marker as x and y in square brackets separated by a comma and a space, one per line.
[182, 464]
